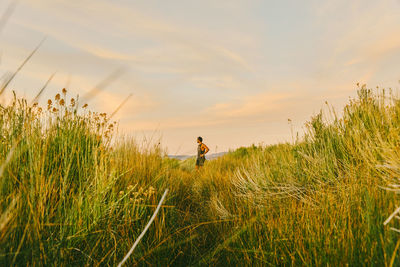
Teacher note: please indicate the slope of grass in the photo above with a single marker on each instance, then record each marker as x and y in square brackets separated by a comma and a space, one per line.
[73, 193]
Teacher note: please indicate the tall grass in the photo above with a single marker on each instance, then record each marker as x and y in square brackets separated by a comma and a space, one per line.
[73, 193]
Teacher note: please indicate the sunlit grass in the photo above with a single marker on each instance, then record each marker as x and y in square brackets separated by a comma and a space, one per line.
[73, 193]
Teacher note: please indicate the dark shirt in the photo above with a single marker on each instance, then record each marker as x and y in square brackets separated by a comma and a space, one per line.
[200, 151]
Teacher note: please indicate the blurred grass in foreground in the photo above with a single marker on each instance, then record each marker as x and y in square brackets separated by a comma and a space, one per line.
[74, 193]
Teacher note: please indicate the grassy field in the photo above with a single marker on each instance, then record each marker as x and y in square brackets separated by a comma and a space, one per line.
[72, 192]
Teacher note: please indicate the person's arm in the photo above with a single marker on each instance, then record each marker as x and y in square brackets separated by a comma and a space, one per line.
[206, 149]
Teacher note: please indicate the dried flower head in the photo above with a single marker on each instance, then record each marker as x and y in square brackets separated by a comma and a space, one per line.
[49, 102]
[85, 106]
[72, 102]
[64, 91]
[57, 97]
[62, 102]
[55, 110]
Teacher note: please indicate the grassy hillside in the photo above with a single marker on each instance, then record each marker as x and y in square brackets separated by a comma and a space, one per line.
[71, 193]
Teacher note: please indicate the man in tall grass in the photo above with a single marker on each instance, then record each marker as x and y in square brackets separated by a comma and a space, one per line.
[202, 149]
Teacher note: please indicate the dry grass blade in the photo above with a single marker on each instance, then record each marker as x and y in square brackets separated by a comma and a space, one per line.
[102, 85]
[145, 229]
[43, 88]
[229, 239]
[7, 14]
[391, 216]
[5, 217]
[394, 253]
[8, 159]
[120, 106]
[20, 244]
[20, 67]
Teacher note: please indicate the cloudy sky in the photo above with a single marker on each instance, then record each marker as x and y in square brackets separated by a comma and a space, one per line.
[231, 71]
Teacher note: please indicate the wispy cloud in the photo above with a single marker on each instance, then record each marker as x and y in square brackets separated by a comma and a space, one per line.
[250, 106]
[243, 66]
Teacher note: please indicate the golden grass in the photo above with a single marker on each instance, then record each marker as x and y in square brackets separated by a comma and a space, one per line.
[73, 193]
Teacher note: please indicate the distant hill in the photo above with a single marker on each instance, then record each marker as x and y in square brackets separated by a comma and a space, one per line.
[180, 157]
[184, 157]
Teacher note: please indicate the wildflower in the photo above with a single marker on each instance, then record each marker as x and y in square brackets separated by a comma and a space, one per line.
[57, 97]
[64, 91]
[62, 102]
[130, 187]
[121, 192]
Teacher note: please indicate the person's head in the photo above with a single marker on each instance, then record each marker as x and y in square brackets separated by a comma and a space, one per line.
[199, 139]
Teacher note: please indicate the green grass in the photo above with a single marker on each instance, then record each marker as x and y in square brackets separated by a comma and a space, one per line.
[74, 193]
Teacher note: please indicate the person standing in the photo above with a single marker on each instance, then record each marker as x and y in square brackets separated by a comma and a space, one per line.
[202, 149]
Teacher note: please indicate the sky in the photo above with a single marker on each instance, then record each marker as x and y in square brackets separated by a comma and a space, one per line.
[232, 71]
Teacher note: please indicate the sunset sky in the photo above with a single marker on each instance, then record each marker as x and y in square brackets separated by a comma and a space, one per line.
[231, 71]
